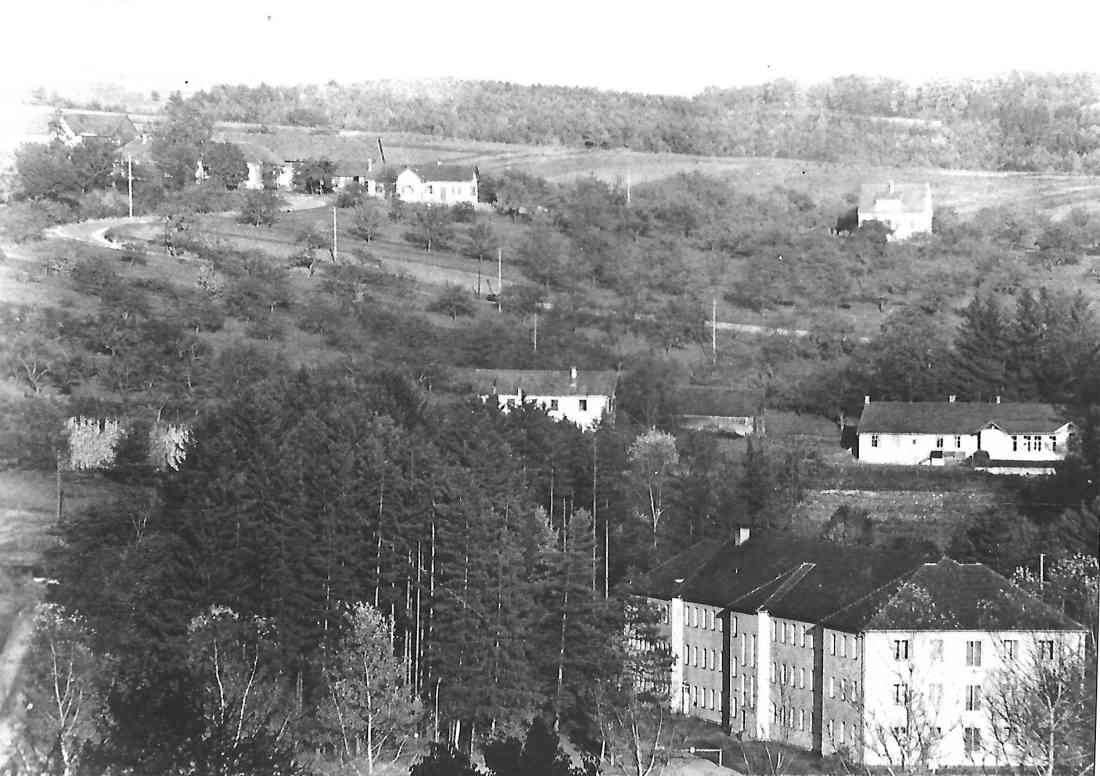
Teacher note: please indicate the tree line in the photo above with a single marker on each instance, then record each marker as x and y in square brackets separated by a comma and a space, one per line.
[1020, 121]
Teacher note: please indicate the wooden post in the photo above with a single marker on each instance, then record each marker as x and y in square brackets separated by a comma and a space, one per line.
[714, 330]
[334, 235]
[60, 493]
[500, 276]
[535, 335]
[130, 183]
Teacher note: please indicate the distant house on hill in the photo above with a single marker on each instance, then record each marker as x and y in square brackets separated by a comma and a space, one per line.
[438, 184]
[357, 171]
[834, 648]
[718, 410]
[583, 398]
[257, 158]
[1002, 438]
[905, 209]
[75, 127]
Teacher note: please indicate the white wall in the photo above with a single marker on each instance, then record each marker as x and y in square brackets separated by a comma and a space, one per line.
[255, 179]
[1029, 447]
[917, 448]
[912, 448]
[939, 690]
[568, 407]
[411, 188]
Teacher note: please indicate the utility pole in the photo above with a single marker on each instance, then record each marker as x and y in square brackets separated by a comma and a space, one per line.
[130, 183]
[333, 235]
[500, 276]
[535, 334]
[628, 187]
[714, 330]
[1042, 560]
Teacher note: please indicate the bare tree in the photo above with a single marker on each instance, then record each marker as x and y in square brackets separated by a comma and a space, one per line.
[242, 694]
[66, 686]
[1039, 708]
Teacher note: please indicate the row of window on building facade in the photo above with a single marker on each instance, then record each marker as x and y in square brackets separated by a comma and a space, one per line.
[1031, 443]
[1009, 648]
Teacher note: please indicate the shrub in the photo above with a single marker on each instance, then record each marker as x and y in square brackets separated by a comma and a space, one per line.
[103, 203]
[260, 208]
[24, 221]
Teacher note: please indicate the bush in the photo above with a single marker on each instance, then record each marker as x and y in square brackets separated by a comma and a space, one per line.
[94, 275]
[260, 208]
[103, 203]
[349, 195]
[24, 221]
[31, 432]
[463, 213]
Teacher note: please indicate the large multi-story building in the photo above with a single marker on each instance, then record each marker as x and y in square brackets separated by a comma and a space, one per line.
[848, 650]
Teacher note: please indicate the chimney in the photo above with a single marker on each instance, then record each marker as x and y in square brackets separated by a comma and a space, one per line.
[997, 399]
[866, 399]
[573, 373]
[890, 186]
[950, 398]
[740, 535]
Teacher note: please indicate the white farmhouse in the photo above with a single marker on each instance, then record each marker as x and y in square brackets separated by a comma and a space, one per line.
[905, 209]
[845, 650]
[1002, 437]
[438, 184]
[581, 398]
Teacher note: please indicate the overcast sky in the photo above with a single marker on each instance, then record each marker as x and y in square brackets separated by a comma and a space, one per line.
[673, 47]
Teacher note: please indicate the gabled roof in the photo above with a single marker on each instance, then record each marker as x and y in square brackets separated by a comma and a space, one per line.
[543, 382]
[288, 145]
[929, 417]
[108, 125]
[445, 173]
[791, 577]
[667, 580]
[949, 595]
[853, 589]
[913, 197]
[715, 401]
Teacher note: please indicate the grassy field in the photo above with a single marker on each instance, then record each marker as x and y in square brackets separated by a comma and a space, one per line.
[965, 190]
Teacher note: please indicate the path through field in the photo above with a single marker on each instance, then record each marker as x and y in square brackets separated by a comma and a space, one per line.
[11, 660]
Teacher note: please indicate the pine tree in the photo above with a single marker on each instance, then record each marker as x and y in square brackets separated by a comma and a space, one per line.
[980, 368]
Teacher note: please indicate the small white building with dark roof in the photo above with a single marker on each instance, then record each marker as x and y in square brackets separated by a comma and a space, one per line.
[1000, 437]
[581, 397]
[904, 208]
[438, 184]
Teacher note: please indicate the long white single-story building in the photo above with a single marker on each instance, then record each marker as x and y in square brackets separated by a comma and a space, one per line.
[583, 398]
[1000, 437]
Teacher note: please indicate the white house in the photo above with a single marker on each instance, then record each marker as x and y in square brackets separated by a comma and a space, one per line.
[1001, 437]
[583, 398]
[438, 184]
[848, 650]
[905, 209]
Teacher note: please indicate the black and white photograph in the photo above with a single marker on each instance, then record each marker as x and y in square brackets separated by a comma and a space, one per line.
[549, 388]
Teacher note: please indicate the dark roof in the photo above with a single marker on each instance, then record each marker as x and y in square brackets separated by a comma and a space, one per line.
[112, 125]
[295, 145]
[444, 172]
[791, 577]
[949, 594]
[849, 588]
[543, 382]
[715, 401]
[928, 417]
[667, 579]
[913, 196]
